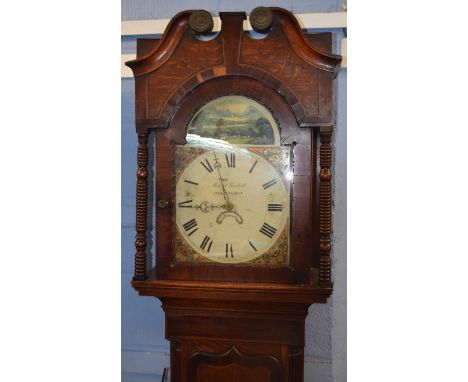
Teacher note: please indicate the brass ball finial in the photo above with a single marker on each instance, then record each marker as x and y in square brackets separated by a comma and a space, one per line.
[201, 21]
[261, 18]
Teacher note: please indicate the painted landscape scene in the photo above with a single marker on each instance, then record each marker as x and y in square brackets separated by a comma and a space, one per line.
[237, 120]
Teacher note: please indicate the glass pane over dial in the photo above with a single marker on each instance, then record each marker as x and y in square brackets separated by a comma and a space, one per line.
[232, 204]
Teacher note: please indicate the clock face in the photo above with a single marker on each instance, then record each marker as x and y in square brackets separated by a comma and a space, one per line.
[232, 204]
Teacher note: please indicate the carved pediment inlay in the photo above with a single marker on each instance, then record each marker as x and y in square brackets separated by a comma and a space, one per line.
[169, 41]
[282, 19]
[285, 59]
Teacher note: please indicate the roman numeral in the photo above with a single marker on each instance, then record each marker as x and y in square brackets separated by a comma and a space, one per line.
[253, 246]
[229, 250]
[186, 204]
[207, 165]
[269, 184]
[188, 181]
[231, 160]
[253, 166]
[268, 230]
[275, 207]
[190, 225]
[206, 241]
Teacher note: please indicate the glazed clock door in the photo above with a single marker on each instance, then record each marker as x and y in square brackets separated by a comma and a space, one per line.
[233, 187]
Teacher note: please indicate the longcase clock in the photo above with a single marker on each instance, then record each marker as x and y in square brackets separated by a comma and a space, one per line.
[242, 125]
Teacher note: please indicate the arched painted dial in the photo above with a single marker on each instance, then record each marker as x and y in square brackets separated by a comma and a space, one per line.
[231, 205]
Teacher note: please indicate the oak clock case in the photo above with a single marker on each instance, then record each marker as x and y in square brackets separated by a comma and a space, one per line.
[242, 130]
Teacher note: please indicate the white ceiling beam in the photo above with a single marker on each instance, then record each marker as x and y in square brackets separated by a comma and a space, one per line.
[306, 20]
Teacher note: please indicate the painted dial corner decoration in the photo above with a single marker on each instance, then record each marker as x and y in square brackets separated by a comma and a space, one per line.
[232, 200]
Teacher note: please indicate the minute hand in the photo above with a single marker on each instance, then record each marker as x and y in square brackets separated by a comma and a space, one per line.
[225, 194]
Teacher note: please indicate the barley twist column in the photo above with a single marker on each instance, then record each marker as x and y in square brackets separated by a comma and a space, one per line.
[141, 207]
[325, 199]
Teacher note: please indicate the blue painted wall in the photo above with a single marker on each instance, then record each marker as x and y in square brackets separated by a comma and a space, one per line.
[145, 352]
